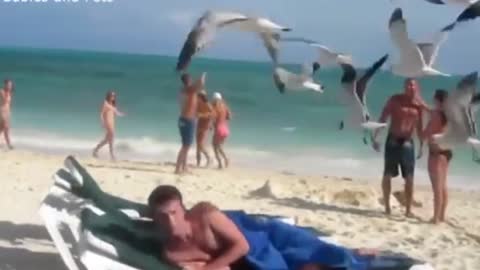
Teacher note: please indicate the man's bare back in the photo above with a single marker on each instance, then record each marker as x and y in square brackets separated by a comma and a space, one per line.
[190, 98]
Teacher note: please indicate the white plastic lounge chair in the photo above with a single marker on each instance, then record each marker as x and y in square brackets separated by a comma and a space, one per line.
[77, 203]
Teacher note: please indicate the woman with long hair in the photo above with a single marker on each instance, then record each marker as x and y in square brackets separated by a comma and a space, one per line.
[107, 115]
[204, 115]
[438, 158]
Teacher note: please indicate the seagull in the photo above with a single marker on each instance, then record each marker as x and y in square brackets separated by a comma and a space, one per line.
[356, 89]
[452, 2]
[203, 33]
[459, 110]
[327, 56]
[286, 80]
[470, 13]
[416, 59]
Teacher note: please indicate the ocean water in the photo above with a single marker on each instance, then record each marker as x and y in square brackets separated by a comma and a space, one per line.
[58, 96]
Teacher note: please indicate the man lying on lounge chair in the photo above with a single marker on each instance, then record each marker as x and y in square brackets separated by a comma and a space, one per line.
[205, 238]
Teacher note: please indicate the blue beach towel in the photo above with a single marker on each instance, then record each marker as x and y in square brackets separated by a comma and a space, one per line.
[280, 246]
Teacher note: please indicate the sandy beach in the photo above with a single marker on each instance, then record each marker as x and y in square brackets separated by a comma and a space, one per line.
[348, 209]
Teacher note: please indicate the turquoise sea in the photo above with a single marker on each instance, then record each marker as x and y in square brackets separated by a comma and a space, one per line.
[58, 95]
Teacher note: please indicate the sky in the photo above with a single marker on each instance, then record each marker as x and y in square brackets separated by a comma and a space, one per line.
[357, 27]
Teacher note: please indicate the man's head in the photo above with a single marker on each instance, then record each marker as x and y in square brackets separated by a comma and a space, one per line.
[411, 87]
[186, 79]
[8, 85]
[167, 209]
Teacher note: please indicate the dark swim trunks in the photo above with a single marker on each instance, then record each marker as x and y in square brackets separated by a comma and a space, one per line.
[187, 130]
[399, 152]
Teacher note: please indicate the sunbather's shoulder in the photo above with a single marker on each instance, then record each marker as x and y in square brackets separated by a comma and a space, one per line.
[204, 208]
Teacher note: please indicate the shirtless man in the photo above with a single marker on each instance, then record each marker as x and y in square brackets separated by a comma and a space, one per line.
[186, 122]
[107, 115]
[405, 112]
[5, 110]
[202, 238]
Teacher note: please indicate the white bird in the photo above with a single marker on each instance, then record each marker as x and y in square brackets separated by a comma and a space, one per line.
[356, 90]
[286, 80]
[416, 59]
[204, 31]
[452, 2]
[459, 109]
[327, 57]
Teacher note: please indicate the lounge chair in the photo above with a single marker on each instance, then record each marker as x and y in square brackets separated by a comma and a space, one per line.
[109, 232]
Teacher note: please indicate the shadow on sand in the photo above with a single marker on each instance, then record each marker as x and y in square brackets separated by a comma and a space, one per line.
[20, 258]
[299, 203]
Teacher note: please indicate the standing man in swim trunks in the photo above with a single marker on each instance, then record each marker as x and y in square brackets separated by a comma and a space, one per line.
[5, 110]
[186, 122]
[405, 112]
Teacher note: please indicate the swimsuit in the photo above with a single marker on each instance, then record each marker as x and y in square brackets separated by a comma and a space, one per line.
[447, 152]
[187, 129]
[222, 131]
[399, 152]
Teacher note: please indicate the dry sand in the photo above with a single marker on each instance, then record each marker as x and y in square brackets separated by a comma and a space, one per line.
[349, 209]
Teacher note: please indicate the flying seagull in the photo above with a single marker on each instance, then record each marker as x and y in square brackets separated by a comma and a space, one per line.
[459, 110]
[470, 13]
[285, 80]
[203, 33]
[356, 90]
[416, 59]
[452, 2]
[327, 57]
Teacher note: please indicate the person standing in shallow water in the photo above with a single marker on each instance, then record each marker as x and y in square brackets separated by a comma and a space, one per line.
[204, 114]
[438, 158]
[5, 110]
[107, 115]
[221, 130]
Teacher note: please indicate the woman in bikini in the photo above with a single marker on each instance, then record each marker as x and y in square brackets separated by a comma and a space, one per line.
[438, 158]
[5, 111]
[108, 113]
[221, 131]
[204, 114]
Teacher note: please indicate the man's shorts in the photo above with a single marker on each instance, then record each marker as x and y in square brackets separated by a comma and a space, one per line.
[187, 130]
[399, 152]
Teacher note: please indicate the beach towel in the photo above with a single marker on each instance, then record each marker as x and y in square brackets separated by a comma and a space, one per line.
[281, 246]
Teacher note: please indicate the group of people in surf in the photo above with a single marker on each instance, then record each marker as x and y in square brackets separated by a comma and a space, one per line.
[197, 117]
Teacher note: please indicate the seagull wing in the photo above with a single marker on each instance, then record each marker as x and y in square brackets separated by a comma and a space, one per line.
[362, 83]
[470, 13]
[430, 50]
[203, 34]
[271, 43]
[410, 54]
